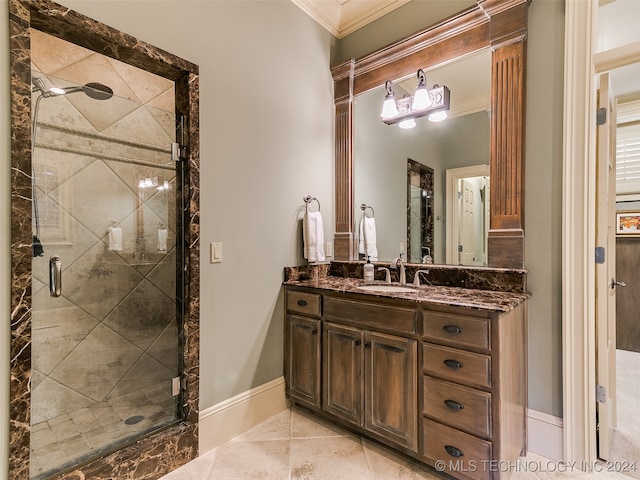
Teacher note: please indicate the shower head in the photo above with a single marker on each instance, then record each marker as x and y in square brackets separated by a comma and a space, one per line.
[95, 90]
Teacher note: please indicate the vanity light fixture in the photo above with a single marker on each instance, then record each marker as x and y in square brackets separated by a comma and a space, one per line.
[424, 102]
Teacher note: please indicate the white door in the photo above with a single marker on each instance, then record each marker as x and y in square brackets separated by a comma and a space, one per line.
[605, 270]
[469, 235]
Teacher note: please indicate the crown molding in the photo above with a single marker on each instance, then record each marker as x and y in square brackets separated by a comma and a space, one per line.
[342, 17]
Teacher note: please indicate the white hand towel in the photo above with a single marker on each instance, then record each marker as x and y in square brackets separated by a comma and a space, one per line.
[313, 237]
[162, 239]
[367, 238]
[115, 238]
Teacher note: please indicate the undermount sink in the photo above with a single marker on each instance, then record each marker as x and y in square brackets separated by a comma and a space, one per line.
[387, 288]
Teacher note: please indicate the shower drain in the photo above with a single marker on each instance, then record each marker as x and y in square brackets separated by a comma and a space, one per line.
[134, 419]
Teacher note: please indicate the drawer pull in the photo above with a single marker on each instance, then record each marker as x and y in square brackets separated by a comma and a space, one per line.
[452, 329]
[453, 405]
[453, 451]
[302, 303]
[453, 364]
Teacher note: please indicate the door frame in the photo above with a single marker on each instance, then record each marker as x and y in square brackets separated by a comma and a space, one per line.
[451, 207]
[579, 207]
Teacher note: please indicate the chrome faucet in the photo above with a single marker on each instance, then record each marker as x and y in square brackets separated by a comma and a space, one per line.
[399, 263]
[416, 277]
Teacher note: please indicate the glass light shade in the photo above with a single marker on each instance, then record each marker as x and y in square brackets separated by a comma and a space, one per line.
[389, 108]
[438, 116]
[421, 99]
[406, 124]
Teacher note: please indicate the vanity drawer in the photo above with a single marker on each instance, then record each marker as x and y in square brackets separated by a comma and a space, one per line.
[304, 303]
[463, 454]
[457, 329]
[458, 406]
[457, 365]
[370, 315]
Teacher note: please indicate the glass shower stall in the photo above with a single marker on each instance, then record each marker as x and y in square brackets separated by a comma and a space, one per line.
[106, 325]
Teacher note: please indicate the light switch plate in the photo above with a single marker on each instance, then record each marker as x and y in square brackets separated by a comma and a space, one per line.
[216, 252]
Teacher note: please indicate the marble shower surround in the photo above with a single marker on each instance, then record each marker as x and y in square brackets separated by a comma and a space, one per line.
[155, 455]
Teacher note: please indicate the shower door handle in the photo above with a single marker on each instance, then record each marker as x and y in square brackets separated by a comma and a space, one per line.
[55, 276]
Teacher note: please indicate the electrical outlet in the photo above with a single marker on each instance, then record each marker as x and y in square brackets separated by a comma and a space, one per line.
[328, 249]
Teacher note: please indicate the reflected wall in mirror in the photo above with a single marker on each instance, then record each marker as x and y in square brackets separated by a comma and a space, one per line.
[419, 213]
[381, 152]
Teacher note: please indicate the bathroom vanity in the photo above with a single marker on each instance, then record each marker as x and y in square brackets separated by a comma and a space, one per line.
[438, 373]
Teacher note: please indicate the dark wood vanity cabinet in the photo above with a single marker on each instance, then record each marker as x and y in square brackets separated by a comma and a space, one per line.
[473, 391]
[303, 341]
[369, 381]
[446, 385]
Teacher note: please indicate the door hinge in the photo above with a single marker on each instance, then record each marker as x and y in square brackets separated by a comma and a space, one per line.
[460, 248]
[175, 151]
[460, 195]
[601, 394]
[601, 116]
[176, 385]
[600, 255]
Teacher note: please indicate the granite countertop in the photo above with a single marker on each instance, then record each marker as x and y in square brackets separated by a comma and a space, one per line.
[496, 301]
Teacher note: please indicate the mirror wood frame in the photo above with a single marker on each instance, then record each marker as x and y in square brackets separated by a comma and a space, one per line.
[497, 24]
[165, 449]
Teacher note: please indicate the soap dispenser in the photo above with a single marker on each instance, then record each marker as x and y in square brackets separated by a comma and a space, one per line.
[368, 271]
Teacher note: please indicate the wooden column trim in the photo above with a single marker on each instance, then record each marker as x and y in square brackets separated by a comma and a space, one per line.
[343, 241]
[506, 233]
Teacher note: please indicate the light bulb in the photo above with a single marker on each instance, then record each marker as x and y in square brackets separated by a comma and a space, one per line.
[421, 99]
[406, 124]
[389, 108]
[438, 116]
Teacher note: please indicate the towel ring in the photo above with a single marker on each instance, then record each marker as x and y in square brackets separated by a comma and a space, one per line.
[308, 199]
[364, 208]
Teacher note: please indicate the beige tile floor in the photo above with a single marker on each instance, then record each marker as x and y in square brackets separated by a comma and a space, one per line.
[295, 445]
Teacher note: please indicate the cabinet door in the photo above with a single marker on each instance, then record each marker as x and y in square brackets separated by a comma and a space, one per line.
[342, 372]
[391, 388]
[303, 372]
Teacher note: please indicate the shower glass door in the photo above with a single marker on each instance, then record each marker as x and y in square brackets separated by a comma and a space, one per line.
[106, 349]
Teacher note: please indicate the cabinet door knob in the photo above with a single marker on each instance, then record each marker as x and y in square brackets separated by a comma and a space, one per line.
[367, 345]
[453, 364]
[453, 451]
[357, 343]
[452, 329]
[453, 405]
[302, 303]
[314, 331]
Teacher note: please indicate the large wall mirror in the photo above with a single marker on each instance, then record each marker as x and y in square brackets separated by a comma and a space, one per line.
[381, 154]
[479, 54]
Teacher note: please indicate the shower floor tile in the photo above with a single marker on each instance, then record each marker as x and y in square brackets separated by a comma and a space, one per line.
[85, 432]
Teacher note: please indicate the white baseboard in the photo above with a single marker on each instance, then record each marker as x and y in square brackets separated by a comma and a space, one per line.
[236, 415]
[544, 435]
[230, 418]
